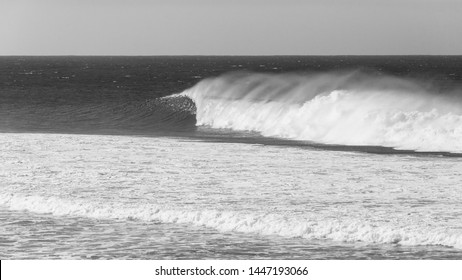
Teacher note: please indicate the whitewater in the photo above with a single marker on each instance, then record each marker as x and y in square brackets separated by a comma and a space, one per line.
[334, 109]
[298, 194]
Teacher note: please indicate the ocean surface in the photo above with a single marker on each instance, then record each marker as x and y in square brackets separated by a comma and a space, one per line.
[278, 157]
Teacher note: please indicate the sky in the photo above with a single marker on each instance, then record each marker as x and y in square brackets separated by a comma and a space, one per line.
[230, 27]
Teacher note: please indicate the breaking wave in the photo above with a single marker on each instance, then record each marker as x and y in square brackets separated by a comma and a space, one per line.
[335, 109]
[234, 221]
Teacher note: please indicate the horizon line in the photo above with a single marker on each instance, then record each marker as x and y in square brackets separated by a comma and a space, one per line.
[215, 55]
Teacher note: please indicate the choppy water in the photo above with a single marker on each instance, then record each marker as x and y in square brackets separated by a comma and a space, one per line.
[238, 166]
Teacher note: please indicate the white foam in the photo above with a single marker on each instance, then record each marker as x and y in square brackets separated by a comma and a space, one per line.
[234, 221]
[255, 189]
[331, 109]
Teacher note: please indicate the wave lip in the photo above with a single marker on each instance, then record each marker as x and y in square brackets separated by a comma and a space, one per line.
[234, 221]
[335, 108]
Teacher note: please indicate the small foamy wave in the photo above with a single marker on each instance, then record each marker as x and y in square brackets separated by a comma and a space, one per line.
[340, 109]
[234, 221]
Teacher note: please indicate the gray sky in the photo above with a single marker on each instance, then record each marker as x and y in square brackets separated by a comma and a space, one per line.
[233, 27]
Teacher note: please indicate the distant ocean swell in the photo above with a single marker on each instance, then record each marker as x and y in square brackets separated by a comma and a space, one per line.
[234, 221]
[334, 108]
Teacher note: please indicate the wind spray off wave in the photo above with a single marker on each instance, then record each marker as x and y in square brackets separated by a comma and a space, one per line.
[335, 108]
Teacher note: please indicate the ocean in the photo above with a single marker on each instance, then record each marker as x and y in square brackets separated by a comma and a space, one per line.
[231, 157]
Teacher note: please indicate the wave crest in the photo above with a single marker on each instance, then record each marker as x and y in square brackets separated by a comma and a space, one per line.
[336, 108]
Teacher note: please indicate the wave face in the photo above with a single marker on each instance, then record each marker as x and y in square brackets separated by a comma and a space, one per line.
[335, 108]
[174, 113]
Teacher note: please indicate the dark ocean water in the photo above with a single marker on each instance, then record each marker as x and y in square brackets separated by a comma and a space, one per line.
[115, 94]
[341, 157]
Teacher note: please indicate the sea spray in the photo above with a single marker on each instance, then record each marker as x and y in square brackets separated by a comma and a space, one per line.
[335, 108]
